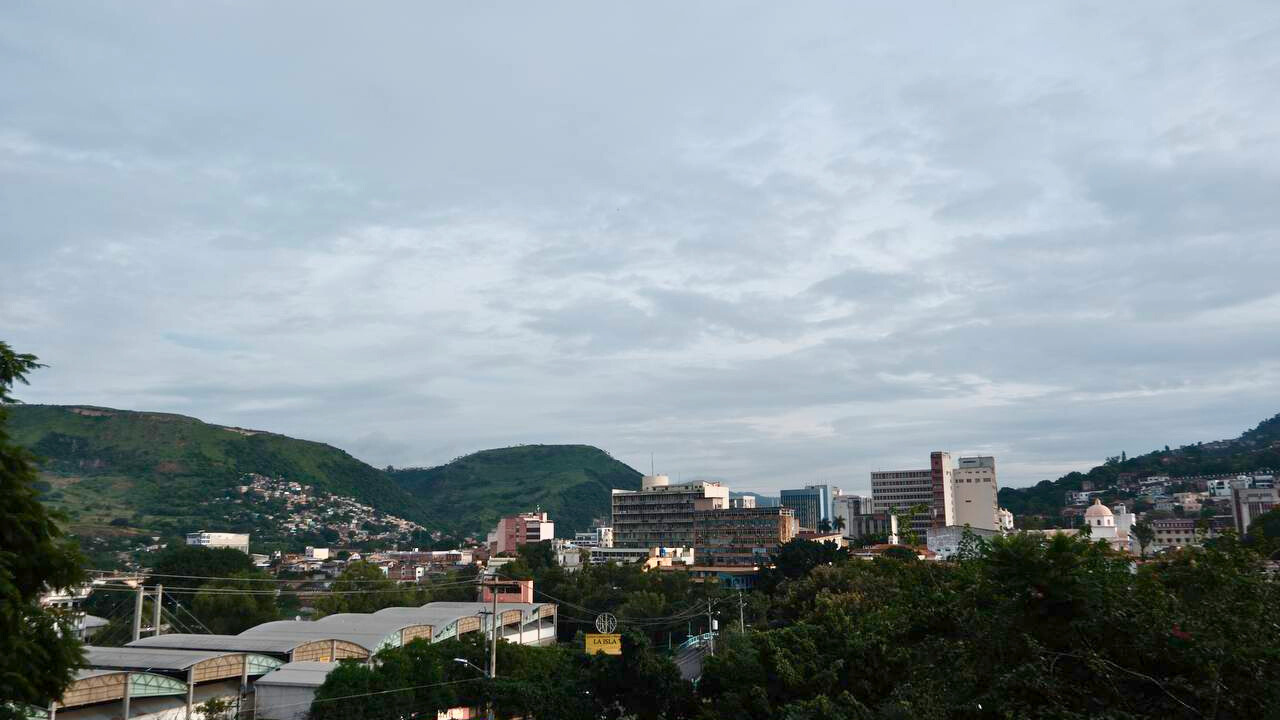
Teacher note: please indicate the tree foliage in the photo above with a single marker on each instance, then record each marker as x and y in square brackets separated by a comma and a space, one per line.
[1028, 627]
[364, 588]
[35, 556]
[231, 606]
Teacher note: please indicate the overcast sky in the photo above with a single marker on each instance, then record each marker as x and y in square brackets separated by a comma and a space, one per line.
[772, 243]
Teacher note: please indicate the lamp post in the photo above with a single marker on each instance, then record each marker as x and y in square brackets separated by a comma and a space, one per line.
[473, 666]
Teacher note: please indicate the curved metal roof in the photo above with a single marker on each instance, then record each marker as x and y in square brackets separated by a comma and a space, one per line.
[132, 658]
[370, 636]
[187, 641]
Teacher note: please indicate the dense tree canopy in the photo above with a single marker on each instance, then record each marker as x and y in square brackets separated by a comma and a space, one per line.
[364, 588]
[35, 556]
[1017, 627]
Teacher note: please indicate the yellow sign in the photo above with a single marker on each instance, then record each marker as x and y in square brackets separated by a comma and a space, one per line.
[607, 644]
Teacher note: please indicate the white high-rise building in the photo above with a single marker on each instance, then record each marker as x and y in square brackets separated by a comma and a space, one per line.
[974, 479]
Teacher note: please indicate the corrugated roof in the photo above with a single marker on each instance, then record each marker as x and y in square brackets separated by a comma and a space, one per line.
[301, 674]
[185, 641]
[133, 658]
[86, 673]
[307, 630]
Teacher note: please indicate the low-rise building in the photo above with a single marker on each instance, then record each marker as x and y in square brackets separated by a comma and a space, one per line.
[945, 542]
[625, 555]
[236, 541]
[517, 530]
[1248, 503]
[741, 536]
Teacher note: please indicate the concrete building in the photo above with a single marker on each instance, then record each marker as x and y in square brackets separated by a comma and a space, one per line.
[517, 530]
[975, 493]
[286, 693]
[660, 514]
[743, 501]
[625, 555]
[1250, 502]
[845, 507]
[812, 504]
[237, 541]
[599, 536]
[896, 491]
[942, 479]
[945, 542]
[861, 527]
[741, 536]
[1006, 520]
[315, 553]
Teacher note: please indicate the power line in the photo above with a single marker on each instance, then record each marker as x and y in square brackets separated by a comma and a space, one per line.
[249, 579]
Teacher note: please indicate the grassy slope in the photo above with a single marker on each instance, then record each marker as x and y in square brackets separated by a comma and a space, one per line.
[571, 482]
[1254, 449]
[105, 462]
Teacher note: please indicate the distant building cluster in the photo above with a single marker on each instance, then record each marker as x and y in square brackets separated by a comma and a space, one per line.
[307, 510]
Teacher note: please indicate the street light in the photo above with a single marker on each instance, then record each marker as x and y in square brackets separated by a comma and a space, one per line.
[473, 666]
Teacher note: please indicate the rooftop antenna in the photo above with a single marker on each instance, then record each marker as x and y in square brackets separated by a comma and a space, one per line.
[650, 464]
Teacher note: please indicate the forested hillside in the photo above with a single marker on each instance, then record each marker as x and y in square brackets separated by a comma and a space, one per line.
[571, 482]
[120, 472]
[1255, 449]
[160, 471]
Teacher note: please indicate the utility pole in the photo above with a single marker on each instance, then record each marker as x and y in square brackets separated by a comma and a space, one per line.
[155, 611]
[742, 623]
[493, 642]
[137, 612]
[711, 627]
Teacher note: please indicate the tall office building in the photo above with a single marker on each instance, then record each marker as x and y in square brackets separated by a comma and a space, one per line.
[895, 491]
[660, 514]
[941, 475]
[962, 492]
[975, 493]
[812, 504]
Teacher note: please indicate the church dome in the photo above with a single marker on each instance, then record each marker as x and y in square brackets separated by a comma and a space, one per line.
[1097, 510]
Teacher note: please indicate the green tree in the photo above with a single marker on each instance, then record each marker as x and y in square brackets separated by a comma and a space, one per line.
[35, 556]
[364, 588]
[188, 566]
[1144, 534]
[228, 607]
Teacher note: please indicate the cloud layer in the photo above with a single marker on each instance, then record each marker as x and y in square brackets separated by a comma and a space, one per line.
[769, 244]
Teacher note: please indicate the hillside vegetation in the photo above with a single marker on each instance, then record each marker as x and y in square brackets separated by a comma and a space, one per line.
[571, 482]
[123, 472]
[159, 470]
[1255, 449]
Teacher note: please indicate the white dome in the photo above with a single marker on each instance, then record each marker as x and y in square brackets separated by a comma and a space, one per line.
[1097, 510]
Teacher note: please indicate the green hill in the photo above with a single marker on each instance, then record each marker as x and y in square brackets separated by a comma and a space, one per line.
[1255, 449]
[571, 482]
[158, 470]
[119, 472]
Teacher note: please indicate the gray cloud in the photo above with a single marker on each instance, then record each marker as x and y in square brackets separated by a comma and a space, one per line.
[772, 245]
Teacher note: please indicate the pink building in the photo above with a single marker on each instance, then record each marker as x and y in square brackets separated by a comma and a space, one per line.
[516, 530]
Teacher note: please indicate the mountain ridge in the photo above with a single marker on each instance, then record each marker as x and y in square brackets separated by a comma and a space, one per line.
[115, 470]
